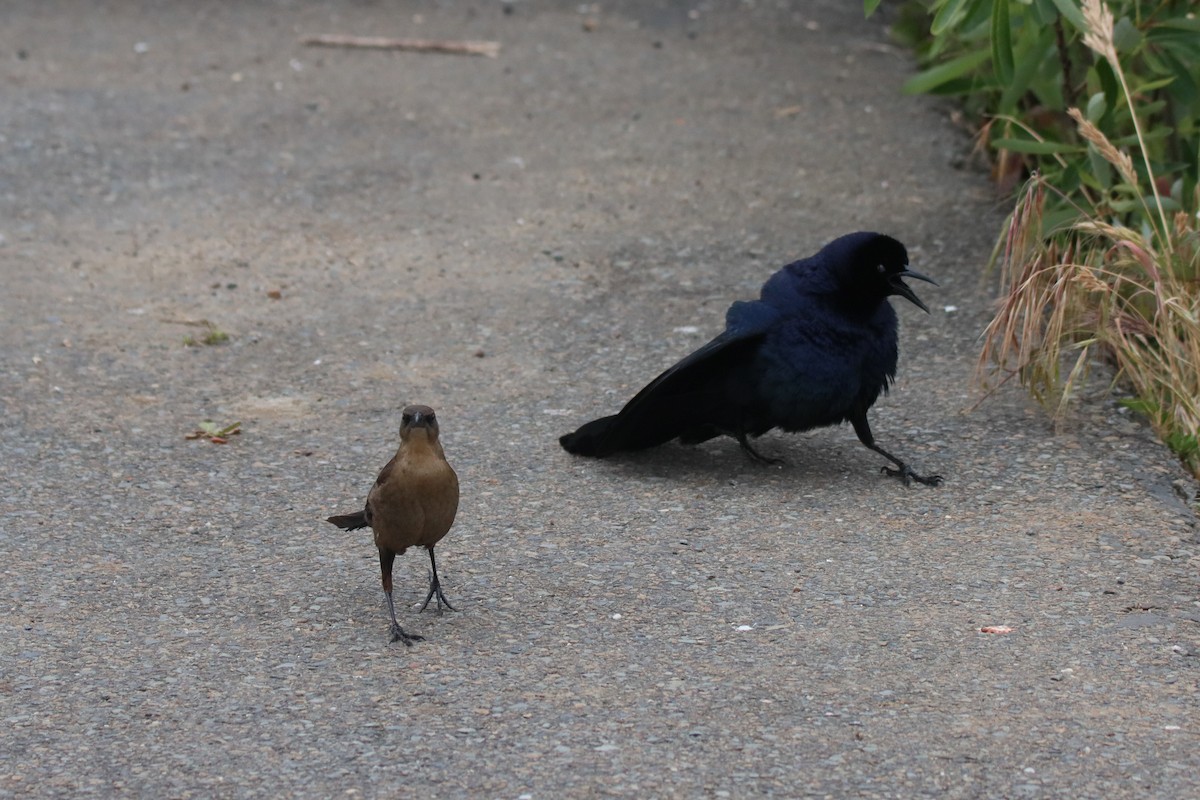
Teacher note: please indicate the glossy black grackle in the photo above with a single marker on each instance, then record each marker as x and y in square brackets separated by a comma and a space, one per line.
[817, 348]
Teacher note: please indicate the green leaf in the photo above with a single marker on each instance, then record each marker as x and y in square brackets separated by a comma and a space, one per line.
[1126, 36]
[1151, 109]
[1042, 12]
[1002, 50]
[1185, 90]
[954, 68]
[1091, 181]
[1102, 171]
[1027, 62]
[948, 16]
[1034, 147]
[977, 20]
[967, 85]
[1096, 106]
[1184, 444]
[1108, 80]
[1154, 65]
[1190, 24]
[1070, 11]
[869, 7]
[1139, 405]
[1150, 86]
[1069, 180]
[1152, 135]
[1185, 41]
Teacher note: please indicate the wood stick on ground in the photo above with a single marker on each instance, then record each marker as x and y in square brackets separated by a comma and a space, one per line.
[465, 47]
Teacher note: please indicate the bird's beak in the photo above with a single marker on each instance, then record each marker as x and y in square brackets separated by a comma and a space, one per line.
[414, 420]
[902, 289]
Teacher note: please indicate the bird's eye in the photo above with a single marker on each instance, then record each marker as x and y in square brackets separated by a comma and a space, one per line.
[881, 269]
[406, 418]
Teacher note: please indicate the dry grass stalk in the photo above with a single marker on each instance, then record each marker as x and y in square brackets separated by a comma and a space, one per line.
[1099, 33]
[1102, 292]
[1099, 38]
[1104, 147]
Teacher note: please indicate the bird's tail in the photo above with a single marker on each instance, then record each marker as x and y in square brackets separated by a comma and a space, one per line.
[350, 522]
[589, 439]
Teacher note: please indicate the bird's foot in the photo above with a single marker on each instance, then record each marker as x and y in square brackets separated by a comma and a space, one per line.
[398, 635]
[757, 456]
[435, 590]
[906, 474]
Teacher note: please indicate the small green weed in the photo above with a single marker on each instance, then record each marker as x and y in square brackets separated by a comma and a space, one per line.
[213, 336]
[215, 433]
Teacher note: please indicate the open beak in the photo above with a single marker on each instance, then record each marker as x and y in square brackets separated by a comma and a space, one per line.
[901, 288]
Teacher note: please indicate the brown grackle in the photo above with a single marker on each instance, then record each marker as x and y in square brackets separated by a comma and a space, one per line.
[412, 504]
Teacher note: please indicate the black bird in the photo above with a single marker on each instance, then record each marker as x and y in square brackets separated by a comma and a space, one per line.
[817, 348]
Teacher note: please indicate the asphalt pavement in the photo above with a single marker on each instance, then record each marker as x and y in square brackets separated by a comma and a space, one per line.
[522, 242]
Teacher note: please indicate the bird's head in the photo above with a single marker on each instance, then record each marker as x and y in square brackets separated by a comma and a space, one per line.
[874, 265]
[418, 420]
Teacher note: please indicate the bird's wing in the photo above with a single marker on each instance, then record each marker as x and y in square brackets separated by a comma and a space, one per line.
[691, 399]
[386, 472]
[692, 372]
[706, 369]
[705, 394]
[364, 518]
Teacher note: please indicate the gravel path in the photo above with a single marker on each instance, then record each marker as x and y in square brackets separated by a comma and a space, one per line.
[521, 242]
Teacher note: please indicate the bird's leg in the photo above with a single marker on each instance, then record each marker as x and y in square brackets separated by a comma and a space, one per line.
[386, 557]
[757, 456]
[398, 633]
[435, 586]
[903, 471]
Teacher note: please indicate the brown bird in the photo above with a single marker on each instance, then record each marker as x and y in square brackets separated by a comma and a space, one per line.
[412, 504]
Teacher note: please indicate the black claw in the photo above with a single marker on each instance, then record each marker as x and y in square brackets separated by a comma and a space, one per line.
[906, 474]
[754, 454]
[398, 635]
[435, 590]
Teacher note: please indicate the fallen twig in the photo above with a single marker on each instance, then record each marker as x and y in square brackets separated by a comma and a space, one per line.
[465, 48]
[199, 323]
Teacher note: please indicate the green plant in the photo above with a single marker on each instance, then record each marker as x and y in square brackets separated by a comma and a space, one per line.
[1019, 65]
[1100, 260]
[213, 336]
[217, 434]
[1120, 282]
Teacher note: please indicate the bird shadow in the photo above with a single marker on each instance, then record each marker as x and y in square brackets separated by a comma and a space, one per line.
[806, 460]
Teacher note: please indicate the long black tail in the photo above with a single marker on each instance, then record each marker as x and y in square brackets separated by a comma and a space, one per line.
[704, 395]
[350, 522]
[590, 439]
[640, 426]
